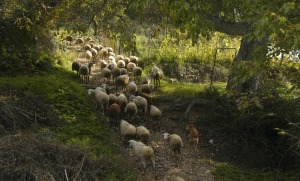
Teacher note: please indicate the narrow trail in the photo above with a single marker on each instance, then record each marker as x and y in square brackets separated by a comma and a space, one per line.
[191, 165]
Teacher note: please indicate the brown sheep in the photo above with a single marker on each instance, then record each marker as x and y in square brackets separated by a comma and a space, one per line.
[193, 135]
[114, 111]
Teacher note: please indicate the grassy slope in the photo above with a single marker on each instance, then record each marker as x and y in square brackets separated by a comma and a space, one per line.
[78, 124]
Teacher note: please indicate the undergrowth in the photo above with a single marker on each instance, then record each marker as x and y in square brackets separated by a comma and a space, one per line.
[227, 172]
[77, 123]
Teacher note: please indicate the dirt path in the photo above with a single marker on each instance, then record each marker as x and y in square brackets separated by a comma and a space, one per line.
[192, 165]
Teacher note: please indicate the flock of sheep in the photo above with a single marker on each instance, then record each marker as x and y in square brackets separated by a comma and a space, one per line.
[125, 95]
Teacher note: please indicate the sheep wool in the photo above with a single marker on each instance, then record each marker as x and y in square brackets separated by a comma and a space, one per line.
[143, 134]
[102, 99]
[127, 131]
[175, 143]
[143, 151]
[113, 113]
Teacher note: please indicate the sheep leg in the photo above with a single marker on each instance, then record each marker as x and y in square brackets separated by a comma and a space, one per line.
[143, 162]
[153, 161]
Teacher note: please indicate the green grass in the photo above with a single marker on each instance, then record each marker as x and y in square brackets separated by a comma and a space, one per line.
[78, 124]
[226, 172]
[187, 90]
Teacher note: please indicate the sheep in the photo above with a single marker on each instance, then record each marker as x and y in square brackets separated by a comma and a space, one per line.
[112, 65]
[147, 97]
[103, 64]
[122, 101]
[126, 60]
[103, 54]
[106, 74]
[121, 64]
[146, 79]
[78, 41]
[143, 151]
[130, 66]
[134, 59]
[114, 111]
[145, 88]
[88, 55]
[143, 134]
[87, 47]
[176, 178]
[105, 87]
[155, 115]
[137, 73]
[111, 59]
[98, 47]
[175, 143]
[131, 110]
[127, 131]
[156, 74]
[115, 72]
[75, 67]
[111, 54]
[102, 99]
[109, 49]
[94, 53]
[84, 71]
[121, 81]
[112, 99]
[193, 135]
[140, 102]
[123, 71]
[131, 88]
[119, 57]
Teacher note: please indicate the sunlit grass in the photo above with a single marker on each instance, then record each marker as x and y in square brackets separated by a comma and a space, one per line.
[186, 89]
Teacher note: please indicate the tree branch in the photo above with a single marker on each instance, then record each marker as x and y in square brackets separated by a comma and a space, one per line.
[229, 28]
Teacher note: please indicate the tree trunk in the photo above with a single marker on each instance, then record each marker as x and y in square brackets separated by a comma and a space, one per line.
[250, 50]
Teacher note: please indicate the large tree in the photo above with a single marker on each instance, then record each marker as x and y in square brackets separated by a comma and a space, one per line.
[259, 23]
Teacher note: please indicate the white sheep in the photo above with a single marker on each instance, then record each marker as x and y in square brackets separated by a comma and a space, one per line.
[137, 73]
[88, 55]
[176, 178]
[121, 81]
[156, 74]
[141, 103]
[122, 101]
[131, 110]
[143, 151]
[134, 59]
[131, 88]
[101, 98]
[175, 143]
[155, 115]
[102, 64]
[130, 66]
[121, 64]
[143, 134]
[119, 57]
[103, 54]
[127, 131]
[126, 60]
